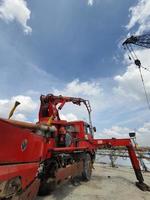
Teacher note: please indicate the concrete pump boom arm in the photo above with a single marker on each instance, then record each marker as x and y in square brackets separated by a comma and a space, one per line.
[53, 104]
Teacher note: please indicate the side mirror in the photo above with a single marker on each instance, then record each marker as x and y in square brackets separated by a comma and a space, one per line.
[94, 129]
[132, 134]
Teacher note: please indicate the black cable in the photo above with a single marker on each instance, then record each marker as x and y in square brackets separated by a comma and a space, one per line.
[138, 63]
[132, 50]
[131, 54]
[146, 95]
[145, 68]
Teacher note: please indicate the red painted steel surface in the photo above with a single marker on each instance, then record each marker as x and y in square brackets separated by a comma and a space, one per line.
[30, 193]
[27, 172]
[111, 142]
[19, 145]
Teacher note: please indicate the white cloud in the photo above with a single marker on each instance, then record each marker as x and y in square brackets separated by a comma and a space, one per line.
[140, 15]
[142, 133]
[143, 136]
[77, 88]
[89, 90]
[27, 104]
[20, 117]
[27, 107]
[129, 84]
[129, 93]
[90, 2]
[17, 10]
[69, 117]
[116, 132]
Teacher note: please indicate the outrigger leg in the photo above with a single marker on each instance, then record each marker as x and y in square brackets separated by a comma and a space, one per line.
[137, 169]
[110, 143]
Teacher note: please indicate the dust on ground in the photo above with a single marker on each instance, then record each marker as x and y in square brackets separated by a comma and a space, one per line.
[106, 184]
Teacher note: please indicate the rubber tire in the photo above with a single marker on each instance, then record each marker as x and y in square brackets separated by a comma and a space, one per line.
[87, 168]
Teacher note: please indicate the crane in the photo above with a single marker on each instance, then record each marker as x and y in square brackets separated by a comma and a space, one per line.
[142, 41]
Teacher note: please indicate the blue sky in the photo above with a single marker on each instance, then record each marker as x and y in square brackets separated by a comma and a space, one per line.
[73, 48]
[69, 39]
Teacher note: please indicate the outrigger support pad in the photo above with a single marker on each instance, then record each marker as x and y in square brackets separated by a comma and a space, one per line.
[142, 186]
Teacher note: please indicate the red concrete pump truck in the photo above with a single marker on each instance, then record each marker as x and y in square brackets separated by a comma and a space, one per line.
[35, 157]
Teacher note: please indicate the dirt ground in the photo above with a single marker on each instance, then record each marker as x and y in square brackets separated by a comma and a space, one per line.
[106, 184]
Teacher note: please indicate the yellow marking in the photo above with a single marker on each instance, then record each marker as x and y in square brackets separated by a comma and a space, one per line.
[50, 120]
